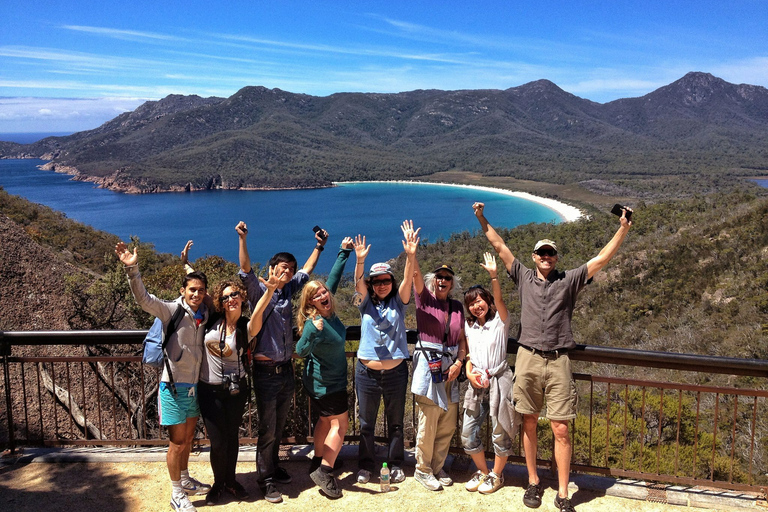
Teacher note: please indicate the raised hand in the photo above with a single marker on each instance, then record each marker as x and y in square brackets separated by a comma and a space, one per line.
[361, 250]
[478, 208]
[125, 255]
[185, 252]
[407, 227]
[273, 280]
[242, 229]
[321, 237]
[411, 239]
[624, 220]
[347, 243]
[489, 264]
[318, 321]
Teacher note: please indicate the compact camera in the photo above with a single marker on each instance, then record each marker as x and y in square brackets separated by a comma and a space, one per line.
[232, 382]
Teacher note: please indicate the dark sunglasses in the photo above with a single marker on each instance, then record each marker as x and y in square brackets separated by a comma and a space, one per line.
[233, 295]
[444, 277]
[547, 252]
[380, 282]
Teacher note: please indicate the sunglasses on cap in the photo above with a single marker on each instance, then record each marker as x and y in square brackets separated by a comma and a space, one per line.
[547, 252]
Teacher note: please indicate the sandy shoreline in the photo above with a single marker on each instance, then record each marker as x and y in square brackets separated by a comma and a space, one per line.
[566, 212]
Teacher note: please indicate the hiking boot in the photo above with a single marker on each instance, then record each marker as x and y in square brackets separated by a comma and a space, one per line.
[238, 491]
[563, 504]
[214, 495]
[532, 496]
[181, 503]
[475, 481]
[327, 483]
[363, 476]
[492, 483]
[270, 492]
[444, 479]
[281, 476]
[397, 475]
[193, 487]
[428, 480]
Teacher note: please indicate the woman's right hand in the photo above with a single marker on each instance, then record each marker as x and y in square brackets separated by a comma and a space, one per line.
[124, 254]
[242, 229]
[361, 250]
[478, 208]
[318, 321]
[411, 238]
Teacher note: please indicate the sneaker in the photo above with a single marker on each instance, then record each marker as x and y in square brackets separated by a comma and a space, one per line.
[363, 476]
[492, 483]
[281, 476]
[270, 492]
[475, 481]
[397, 475]
[327, 483]
[238, 491]
[181, 503]
[532, 496]
[214, 495]
[563, 504]
[428, 480]
[193, 487]
[316, 461]
[444, 479]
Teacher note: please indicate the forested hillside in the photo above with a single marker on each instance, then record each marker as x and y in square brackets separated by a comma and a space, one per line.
[699, 134]
[691, 277]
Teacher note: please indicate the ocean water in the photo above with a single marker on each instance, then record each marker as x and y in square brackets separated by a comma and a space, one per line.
[29, 138]
[277, 220]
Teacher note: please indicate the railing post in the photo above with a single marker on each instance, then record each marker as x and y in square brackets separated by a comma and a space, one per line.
[5, 352]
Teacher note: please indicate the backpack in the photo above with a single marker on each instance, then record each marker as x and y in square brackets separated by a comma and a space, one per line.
[156, 340]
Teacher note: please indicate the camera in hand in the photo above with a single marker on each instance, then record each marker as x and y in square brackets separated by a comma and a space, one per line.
[318, 229]
[232, 383]
[617, 210]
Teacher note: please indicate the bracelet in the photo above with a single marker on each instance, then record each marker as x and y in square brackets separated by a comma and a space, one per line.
[494, 279]
[319, 247]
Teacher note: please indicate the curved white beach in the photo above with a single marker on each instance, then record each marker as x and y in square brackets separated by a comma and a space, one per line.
[567, 212]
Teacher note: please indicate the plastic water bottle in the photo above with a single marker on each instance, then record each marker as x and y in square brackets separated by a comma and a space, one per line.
[384, 478]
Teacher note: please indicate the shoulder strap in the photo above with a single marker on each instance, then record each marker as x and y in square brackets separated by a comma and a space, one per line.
[172, 327]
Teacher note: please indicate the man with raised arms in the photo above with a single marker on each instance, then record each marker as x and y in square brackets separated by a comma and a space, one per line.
[542, 365]
[273, 381]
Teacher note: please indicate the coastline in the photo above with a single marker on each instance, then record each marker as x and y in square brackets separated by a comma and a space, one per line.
[566, 212]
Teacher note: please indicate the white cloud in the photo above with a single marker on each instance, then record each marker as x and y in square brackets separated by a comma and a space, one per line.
[60, 114]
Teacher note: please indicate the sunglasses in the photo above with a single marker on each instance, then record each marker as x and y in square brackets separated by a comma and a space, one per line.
[547, 252]
[380, 282]
[444, 277]
[233, 295]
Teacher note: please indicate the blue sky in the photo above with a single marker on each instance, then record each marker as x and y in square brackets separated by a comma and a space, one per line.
[72, 65]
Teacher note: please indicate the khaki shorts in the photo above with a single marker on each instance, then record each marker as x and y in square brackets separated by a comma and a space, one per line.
[537, 378]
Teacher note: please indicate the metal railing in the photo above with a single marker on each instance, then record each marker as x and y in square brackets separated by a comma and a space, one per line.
[672, 432]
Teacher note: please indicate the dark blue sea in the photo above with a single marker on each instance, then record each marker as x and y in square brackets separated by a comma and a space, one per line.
[277, 220]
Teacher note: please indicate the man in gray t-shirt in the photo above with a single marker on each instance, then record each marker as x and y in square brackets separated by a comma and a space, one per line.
[542, 367]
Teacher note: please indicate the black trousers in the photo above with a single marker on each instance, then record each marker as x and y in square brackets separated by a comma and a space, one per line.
[222, 414]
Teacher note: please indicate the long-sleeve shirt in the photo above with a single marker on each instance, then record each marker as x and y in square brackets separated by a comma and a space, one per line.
[325, 371]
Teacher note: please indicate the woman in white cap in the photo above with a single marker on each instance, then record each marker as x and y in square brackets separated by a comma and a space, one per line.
[381, 370]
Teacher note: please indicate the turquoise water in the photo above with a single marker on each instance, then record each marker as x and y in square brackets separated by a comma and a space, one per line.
[277, 220]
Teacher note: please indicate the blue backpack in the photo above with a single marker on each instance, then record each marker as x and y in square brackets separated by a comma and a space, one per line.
[156, 340]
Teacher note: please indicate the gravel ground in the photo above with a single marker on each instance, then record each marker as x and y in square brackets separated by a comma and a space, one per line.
[144, 486]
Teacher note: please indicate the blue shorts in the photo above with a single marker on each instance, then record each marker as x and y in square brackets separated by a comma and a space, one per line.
[174, 410]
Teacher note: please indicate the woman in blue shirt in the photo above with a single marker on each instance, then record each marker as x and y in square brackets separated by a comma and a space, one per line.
[381, 369]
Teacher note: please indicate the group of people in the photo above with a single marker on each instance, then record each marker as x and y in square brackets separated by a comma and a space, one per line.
[216, 356]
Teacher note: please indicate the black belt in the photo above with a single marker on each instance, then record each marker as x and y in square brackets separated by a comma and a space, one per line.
[271, 367]
[547, 354]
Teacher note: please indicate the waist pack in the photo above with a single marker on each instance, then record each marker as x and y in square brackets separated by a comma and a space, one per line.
[156, 340]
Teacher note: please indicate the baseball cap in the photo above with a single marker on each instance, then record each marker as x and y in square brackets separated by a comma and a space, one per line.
[544, 243]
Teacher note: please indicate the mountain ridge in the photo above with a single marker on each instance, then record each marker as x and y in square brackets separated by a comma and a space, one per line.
[700, 128]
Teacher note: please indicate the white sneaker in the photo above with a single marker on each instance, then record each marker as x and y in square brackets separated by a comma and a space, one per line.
[363, 476]
[397, 475]
[475, 481]
[444, 479]
[492, 483]
[193, 487]
[428, 480]
[181, 503]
